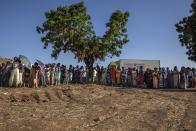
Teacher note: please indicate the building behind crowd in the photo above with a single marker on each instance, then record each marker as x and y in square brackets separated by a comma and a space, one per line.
[135, 63]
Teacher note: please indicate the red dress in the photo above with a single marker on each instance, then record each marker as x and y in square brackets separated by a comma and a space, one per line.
[113, 74]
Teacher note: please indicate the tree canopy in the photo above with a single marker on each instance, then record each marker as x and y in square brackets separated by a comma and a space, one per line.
[69, 28]
[187, 32]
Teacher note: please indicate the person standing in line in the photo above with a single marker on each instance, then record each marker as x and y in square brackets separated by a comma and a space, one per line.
[84, 75]
[47, 74]
[26, 77]
[190, 77]
[155, 78]
[73, 74]
[164, 73]
[36, 78]
[62, 73]
[141, 77]
[1, 73]
[134, 77]
[129, 77]
[7, 73]
[99, 74]
[183, 78]
[123, 77]
[103, 77]
[42, 75]
[147, 78]
[118, 72]
[66, 74]
[70, 73]
[21, 74]
[81, 73]
[169, 77]
[15, 75]
[108, 76]
[113, 75]
[52, 74]
[34, 73]
[161, 79]
[175, 77]
[94, 75]
[57, 74]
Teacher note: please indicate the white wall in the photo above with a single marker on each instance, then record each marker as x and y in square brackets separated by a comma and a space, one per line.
[137, 63]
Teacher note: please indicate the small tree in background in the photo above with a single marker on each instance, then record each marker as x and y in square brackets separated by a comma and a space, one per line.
[187, 32]
[69, 28]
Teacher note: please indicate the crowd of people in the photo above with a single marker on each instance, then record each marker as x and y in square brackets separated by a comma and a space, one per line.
[16, 74]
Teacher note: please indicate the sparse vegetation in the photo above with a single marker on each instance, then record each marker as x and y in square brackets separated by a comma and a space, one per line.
[95, 107]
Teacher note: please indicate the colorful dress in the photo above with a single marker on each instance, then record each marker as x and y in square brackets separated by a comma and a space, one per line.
[113, 75]
[118, 72]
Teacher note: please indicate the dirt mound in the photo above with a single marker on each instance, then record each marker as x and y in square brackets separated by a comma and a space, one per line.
[94, 107]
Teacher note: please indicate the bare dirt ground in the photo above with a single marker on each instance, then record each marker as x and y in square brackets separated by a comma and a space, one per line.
[94, 107]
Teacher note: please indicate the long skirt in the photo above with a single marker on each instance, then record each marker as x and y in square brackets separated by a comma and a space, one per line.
[161, 82]
[183, 85]
[129, 81]
[43, 80]
[20, 78]
[70, 76]
[175, 81]
[57, 78]
[118, 79]
[155, 82]
[14, 78]
[134, 80]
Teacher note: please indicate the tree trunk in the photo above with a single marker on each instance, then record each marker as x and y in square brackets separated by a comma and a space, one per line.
[89, 61]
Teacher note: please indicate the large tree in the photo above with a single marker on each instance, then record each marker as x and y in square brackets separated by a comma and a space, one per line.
[187, 32]
[69, 28]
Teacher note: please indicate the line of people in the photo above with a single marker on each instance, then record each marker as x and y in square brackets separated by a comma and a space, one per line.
[15, 74]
